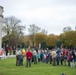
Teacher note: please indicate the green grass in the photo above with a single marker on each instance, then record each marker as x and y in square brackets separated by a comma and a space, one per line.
[8, 67]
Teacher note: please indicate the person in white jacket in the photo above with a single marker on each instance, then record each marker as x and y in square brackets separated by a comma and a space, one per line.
[35, 56]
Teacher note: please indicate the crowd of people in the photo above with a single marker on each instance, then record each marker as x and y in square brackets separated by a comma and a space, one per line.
[6, 51]
[55, 57]
[58, 56]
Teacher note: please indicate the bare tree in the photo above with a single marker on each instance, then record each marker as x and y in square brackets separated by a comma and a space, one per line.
[33, 29]
[13, 29]
[11, 25]
[44, 31]
[66, 29]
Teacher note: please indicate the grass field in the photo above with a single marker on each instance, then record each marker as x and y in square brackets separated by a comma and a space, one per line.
[8, 67]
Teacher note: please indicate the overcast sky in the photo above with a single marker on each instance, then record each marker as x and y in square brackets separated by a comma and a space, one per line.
[51, 15]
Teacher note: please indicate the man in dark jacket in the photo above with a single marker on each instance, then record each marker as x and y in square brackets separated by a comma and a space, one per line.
[28, 58]
[6, 49]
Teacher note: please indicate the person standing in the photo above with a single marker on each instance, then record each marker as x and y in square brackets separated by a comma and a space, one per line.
[6, 49]
[57, 58]
[38, 56]
[53, 58]
[72, 58]
[35, 56]
[14, 50]
[68, 58]
[18, 55]
[47, 58]
[10, 50]
[50, 57]
[28, 58]
[22, 56]
[61, 58]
